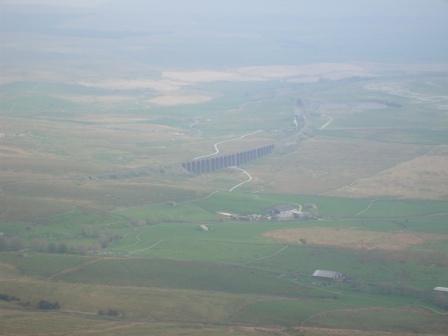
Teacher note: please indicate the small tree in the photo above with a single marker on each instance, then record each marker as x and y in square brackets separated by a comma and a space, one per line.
[47, 305]
[51, 247]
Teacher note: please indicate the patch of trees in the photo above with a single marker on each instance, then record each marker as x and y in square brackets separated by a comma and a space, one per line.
[103, 238]
[8, 243]
[47, 305]
[13, 243]
[90, 232]
[102, 241]
[41, 304]
[8, 298]
[106, 239]
[110, 313]
[42, 245]
[99, 240]
[57, 248]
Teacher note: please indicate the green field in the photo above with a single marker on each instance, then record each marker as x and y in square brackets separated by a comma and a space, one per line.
[97, 215]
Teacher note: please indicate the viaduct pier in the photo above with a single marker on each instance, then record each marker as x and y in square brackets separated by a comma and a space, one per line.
[208, 165]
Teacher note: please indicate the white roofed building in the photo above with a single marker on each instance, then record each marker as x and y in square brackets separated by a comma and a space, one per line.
[204, 227]
[329, 275]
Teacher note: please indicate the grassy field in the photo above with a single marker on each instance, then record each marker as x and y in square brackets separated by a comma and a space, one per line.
[97, 214]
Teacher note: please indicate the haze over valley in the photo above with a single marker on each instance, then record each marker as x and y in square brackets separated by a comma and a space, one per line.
[223, 168]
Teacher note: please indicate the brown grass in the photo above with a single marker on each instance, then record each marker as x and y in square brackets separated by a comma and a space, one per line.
[423, 177]
[309, 72]
[350, 332]
[353, 239]
[310, 331]
[180, 99]
[321, 165]
[11, 151]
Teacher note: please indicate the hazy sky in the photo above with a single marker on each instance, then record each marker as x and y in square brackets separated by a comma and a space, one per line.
[317, 8]
[220, 33]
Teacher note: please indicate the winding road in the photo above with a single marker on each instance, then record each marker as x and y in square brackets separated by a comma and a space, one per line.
[146, 248]
[276, 253]
[217, 151]
[324, 126]
[367, 208]
[249, 178]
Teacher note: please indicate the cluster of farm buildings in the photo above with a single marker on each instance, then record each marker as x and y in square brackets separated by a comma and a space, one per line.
[277, 213]
[306, 212]
[326, 275]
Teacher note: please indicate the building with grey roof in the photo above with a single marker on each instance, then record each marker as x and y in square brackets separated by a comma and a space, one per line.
[328, 275]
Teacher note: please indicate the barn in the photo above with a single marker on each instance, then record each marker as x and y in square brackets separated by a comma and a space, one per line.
[328, 275]
[284, 212]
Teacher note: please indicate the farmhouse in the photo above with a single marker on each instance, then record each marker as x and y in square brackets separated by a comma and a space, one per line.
[328, 275]
[285, 212]
[277, 213]
[253, 217]
[203, 227]
[227, 215]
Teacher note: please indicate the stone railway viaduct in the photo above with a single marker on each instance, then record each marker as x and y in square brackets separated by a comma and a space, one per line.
[208, 165]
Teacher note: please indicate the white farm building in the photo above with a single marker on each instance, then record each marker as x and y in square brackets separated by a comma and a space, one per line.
[329, 275]
[204, 228]
[284, 212]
